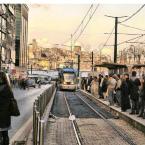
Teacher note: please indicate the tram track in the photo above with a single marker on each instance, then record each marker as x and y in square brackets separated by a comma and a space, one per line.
[81, 121]
[101, 115]
[104, 117]
[74, 123]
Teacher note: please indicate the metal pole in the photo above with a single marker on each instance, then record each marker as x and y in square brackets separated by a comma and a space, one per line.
[92, 61]
[71, 52]
[31, 68]
[115, 42]
[1, 47]
[41, 141]
[78, 65]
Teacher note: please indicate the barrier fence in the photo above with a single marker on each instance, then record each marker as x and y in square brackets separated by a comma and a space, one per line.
[39, 108]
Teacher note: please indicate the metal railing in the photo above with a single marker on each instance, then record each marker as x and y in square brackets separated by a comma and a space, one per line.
[39, 108]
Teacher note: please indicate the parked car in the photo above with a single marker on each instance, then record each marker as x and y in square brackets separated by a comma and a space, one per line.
[31, 83]
[45, 80]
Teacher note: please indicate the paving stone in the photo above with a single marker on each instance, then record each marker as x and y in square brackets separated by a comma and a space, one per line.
[98, 132]
[60, 132]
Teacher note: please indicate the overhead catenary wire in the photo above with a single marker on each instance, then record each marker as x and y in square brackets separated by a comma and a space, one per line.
[76, 30]
[132, 27]
[86, 23]
[108, 38]
[133, 14]
[82, 20]
[128, 40]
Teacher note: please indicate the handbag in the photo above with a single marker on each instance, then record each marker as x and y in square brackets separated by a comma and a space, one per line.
[13, 108]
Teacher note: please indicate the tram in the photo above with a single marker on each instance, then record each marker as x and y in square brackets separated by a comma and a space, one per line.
[68, 79]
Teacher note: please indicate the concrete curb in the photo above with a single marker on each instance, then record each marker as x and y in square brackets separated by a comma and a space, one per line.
[45, 118]
[22, 133]
[131, 119]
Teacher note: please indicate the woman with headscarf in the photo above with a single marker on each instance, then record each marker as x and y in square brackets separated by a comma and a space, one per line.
[5, 118]
[124, 88]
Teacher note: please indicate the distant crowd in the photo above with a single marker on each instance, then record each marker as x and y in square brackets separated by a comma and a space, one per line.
[23, 83]
[125, 91]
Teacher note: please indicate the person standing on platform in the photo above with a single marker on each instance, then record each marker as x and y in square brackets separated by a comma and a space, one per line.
[124, 89]
[111, 88]
[89, 83]
[104, 86]
[134, 93]
[142, 98]
[94, 87]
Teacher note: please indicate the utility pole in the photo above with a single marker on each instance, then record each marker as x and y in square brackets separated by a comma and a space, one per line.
[92, 61]
[1, 46]
[115, 42]
[115, 38]
[78, 65]
[71, 51]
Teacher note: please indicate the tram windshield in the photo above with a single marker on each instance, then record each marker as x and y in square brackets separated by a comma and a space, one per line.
[69, 77]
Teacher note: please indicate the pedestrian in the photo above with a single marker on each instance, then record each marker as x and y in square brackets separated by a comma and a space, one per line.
[89, 83]
[100, 86]
[5, 99]
[104, 87]
[111, 88]
[142, 98]
[124, 89]
[94, 87]
[134, 93]
[117, 90]
[82, 83]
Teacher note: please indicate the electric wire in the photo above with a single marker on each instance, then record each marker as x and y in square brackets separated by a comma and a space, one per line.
[128, 40]
[82, 20]
[107, 39]
[133, 14]
[79, 24]
[86, 23]
[132, 27]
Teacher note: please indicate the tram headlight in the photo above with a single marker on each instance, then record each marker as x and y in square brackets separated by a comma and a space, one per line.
[64, 83]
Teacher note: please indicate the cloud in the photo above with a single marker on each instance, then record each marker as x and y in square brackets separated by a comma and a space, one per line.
[43, 6]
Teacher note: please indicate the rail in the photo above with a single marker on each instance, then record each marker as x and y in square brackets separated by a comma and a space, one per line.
[74, 124]
[39, 112]
[114, 127]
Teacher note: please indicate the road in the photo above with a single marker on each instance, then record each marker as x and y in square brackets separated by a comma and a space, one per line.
[25, 99]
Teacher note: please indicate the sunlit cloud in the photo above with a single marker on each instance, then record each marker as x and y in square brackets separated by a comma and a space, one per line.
[43, 6]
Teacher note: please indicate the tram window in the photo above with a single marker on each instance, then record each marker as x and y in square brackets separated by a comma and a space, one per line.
[68, 76]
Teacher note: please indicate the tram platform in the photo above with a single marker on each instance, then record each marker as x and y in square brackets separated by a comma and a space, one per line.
[92, 130]
[135, 121]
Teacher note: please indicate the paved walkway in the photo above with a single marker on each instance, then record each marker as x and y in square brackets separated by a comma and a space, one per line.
[60, 132]
[132, 119]
[98, 132]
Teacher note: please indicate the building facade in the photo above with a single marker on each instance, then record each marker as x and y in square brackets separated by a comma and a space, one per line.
[21, 40]
[7, 36]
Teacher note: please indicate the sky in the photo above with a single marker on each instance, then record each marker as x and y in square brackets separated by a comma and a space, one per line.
[52, 24]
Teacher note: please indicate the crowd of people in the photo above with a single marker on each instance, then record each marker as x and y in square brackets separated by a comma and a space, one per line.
[125, 91]
[24, 83]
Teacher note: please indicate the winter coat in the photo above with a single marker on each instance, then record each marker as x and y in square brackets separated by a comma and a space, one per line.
[5, 97]
[125, 102]
[134, 88]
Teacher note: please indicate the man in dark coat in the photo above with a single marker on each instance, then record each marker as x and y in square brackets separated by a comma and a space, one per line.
[5, 118]
[124, 88]
[134, 93]
[142, 99]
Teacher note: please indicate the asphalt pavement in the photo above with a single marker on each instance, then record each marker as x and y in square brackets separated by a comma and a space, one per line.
[25, 99]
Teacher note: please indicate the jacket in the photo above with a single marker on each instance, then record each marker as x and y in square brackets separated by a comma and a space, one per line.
[5, 97]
